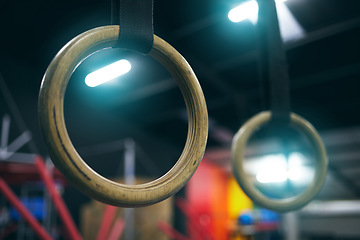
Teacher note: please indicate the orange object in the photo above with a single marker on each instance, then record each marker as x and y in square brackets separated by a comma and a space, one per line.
[207, 196]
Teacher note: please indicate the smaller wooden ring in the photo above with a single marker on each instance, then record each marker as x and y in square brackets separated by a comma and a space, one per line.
[238, 148]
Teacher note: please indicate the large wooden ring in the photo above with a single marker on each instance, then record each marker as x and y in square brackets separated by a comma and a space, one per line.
[65, 156]
[238, 147]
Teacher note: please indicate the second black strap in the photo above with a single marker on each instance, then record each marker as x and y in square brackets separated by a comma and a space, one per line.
[274, 64]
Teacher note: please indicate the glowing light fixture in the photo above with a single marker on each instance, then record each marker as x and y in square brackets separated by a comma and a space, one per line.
[275, 169]
[108, 73]
[289, 27]
[246, 10]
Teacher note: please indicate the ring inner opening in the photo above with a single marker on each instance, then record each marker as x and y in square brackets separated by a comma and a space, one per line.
[279, 162]
[131, 129]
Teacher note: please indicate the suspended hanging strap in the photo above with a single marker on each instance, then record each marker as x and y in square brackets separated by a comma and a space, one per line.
[275, 79]
[135, 18]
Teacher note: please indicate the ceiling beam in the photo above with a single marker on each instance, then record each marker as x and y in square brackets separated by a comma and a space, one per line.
[309, 38]
[345, 180]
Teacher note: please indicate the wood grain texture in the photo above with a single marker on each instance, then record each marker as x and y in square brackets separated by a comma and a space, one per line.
[282, 205]
[65, 156]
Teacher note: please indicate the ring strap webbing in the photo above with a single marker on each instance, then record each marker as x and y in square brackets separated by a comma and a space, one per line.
[275, 79]
[135, 18]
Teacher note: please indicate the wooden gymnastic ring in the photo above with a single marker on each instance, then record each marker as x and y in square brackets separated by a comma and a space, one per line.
[65, 156]
[238, 147]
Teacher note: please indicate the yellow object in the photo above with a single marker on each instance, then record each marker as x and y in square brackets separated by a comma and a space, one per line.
[238, 201]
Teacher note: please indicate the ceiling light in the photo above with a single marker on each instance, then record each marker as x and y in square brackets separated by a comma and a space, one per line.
[289, 27]
[247, 10]
[108, 73]
[275, 169]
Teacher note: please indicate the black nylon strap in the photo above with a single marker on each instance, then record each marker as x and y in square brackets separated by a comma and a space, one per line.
[115, 12]
[275, 79]
[135, 18]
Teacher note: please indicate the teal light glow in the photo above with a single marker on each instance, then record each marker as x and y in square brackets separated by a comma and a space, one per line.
[275, 169]
[247, 10]
[108, 73]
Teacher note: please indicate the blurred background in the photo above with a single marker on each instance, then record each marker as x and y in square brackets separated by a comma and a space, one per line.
[141, 117]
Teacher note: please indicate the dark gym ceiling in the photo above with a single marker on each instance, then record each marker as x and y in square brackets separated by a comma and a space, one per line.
[146, 105]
